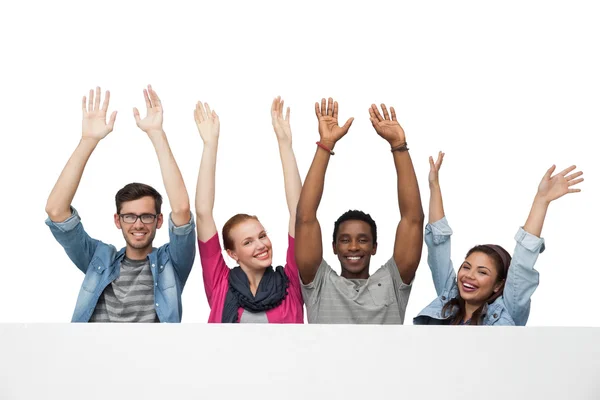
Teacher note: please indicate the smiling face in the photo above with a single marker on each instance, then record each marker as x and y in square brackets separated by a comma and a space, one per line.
[137, 235]
[478, 278]
[354, 247]
[251, 247]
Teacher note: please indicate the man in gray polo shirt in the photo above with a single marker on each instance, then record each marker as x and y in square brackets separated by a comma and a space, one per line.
[356, 297]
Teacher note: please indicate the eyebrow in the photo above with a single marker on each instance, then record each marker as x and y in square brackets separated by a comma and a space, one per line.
[479, 266]
[251, 237]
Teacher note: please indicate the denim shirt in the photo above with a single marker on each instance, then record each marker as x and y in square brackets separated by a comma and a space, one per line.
[101, 263]
[512, 308]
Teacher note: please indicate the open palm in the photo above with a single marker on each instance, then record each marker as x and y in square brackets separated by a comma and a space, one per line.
[329, 128]
[154, 112]
[94, 124]
[207, 122]
[554, 187]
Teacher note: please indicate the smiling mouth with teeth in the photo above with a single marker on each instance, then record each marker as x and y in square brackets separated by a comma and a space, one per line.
[353, 258]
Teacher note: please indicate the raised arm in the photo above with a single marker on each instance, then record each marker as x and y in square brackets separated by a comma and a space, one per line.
[436, 205]
[94, 129]
[172, 179]
[550, 189]
[309, 245]
[523, 279]
[409, 234]
[291, 176]
[208, 125]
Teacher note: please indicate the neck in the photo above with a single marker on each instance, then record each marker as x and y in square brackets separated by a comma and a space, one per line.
[470, 308]
[137, 254]
[364, 274]
[254, 276]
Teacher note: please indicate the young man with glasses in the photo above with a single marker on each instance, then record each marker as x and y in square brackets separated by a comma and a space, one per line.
[138, 283]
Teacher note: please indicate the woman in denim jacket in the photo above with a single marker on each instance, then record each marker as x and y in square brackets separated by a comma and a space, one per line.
[491, 288]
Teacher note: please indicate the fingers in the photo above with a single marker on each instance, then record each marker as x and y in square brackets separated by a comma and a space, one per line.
[347, 125]
[147, 99]
[323, 107]
[393, 114]
[287, 115]
[317, 110]
[385, 112]
[330, 107]
[111, 121]
[136, 115]
[91, 101]
[198, 116]
[280, 111]
[83, 105]
[97, 99]
[274, 106]
[440, 159]
[154, 97]
[549, 172]
[573, 176]
[574, 191]
[208, 112]
[567, 170]
[335, 109]
[376, 112]
[106, 100]
[431, 164]
[575, 182]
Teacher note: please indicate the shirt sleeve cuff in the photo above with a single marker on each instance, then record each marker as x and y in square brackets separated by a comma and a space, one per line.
[439, 230]
[529, 241]
[211, 247]
[67, 225]
[183, 229]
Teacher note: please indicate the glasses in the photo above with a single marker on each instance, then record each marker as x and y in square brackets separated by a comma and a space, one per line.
[132, 218]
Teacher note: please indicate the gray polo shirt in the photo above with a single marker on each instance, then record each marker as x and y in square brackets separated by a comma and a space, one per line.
[332, 299]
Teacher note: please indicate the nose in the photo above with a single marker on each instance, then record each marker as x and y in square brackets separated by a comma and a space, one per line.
[138, 224]
[353, 245]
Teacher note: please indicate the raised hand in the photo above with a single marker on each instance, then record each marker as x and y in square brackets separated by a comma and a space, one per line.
[207, 122]
[329, 130]
[94, 124]
[281, 125]
[387, 128]
[434, 168]
[554, 187]
[152, 123]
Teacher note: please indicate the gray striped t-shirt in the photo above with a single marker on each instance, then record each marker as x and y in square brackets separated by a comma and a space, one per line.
[130, 297]
[332, 299]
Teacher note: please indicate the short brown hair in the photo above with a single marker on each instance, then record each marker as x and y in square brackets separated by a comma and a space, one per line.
[135, 191]
[232, 222]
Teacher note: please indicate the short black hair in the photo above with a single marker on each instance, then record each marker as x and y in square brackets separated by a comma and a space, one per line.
[135, 191]
[351, 215]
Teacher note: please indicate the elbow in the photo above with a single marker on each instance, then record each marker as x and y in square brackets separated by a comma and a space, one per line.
[303, 217]
[181, 209]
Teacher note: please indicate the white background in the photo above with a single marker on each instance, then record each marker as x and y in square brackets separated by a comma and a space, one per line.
[505, 89]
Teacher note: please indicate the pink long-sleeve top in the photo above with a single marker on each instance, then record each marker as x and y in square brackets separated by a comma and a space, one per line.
[216, 283]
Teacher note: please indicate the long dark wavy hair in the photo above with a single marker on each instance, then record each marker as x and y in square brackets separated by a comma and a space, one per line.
[458, 302]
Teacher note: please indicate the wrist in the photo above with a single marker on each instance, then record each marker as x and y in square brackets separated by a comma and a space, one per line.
[330, 144]
[434, 184]
[541, 201]
[155, 133]
[397, 142]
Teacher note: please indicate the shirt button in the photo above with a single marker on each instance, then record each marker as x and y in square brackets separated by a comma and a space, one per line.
[379, 284]
[155, 283]
[98, 267]
[152, 265]
[443, 297]
[495, 315]
[156, 304]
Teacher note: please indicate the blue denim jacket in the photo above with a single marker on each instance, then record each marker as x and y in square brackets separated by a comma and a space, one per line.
[101, 263]
[512, 308]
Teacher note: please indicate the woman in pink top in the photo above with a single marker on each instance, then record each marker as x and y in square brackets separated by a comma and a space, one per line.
[253, 291]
